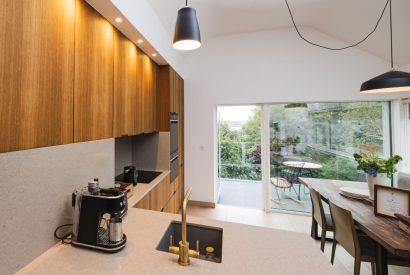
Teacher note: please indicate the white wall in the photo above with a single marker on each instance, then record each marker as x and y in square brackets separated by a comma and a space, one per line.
[36, 187]
[405, 68]
[263, 67]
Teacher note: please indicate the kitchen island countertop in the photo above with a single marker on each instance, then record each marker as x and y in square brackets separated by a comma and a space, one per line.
[246, 250]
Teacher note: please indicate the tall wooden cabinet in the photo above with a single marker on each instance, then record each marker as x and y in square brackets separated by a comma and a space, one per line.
[36, 75]
[149, 110]
[93, 77]
[181, 140]
[171, 100]
[170, 88]
[127, 87]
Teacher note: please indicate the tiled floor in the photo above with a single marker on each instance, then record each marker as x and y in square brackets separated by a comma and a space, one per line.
[297, 223]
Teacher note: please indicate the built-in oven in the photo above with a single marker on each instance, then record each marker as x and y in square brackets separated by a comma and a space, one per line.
[173, 128]
[174, 168]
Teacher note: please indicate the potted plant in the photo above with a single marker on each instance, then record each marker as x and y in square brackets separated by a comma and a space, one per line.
[375, 168]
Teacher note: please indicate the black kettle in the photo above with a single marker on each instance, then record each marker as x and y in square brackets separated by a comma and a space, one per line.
[130, 174]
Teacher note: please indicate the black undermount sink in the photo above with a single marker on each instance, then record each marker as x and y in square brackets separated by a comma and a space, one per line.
[206, 235]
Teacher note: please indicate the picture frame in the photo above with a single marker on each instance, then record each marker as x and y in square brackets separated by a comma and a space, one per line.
[390, 200]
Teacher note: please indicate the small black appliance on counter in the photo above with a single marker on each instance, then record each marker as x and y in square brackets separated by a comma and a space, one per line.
[130, 175]
[98, 215]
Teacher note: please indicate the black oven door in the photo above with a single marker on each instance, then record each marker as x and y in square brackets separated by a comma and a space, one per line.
[174, 134]
[174, 168]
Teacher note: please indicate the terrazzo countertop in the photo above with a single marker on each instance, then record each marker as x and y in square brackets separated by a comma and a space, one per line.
[246, 250]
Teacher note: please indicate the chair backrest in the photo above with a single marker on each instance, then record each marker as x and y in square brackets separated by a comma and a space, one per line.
[344, 230]
[317, 208]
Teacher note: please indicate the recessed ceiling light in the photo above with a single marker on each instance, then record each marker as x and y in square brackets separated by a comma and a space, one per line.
[118, 20]
[154, 54]
[140, 41]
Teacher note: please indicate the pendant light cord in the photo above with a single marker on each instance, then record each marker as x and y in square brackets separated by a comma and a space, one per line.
[355, 44]
[186, 3]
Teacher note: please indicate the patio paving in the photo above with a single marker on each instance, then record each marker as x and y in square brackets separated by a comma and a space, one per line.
[249, 194]
[241, 193]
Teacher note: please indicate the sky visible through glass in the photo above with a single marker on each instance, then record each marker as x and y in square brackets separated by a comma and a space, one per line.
[235, 113]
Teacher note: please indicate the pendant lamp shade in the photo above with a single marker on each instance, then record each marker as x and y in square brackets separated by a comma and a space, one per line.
[187, 35]
[390, 82]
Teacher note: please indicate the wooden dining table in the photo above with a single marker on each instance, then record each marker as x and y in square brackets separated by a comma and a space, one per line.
[384, 231]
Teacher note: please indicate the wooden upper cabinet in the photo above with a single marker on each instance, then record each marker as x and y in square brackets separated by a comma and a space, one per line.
[36, 75]
[149, 115]
[93, 81]
[126, 86]
[164, 99]
[170, 87]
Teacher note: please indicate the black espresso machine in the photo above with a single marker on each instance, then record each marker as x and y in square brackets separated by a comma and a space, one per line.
[98, 215]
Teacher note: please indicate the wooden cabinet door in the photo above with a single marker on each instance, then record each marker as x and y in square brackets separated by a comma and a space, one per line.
[159, 196]
[145, 203]
[36, 75]
[172, 89]
[125, 86]
[181, 134]
[149, 86]
[164, 98]
[93, 81]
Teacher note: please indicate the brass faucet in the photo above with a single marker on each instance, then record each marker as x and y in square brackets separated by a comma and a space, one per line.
[183, 250]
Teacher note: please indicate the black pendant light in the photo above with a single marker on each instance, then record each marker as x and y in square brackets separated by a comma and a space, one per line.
[393, 81]
[187, 35]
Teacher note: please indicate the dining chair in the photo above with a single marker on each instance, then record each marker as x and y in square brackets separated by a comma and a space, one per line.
[319, 217]
[360, 246]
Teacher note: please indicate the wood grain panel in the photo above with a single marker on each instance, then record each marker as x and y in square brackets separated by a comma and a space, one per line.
[181, 146]
[164, 98]
[145, 203]
[160, 195]
[125, 86]
[36, 76]
[172, 205]
[93, 83]
[140, 92]
[172, 90]
[174, 185]
[149, 95]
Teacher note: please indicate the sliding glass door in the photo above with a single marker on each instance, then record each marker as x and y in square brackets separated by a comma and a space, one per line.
[239, 160]
[319, 140]
[262, 152]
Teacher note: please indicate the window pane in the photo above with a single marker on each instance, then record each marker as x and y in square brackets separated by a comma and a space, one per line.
[239, 156]
[324, 137]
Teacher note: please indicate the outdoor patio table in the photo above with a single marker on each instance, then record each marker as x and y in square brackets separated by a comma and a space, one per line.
[303, 164]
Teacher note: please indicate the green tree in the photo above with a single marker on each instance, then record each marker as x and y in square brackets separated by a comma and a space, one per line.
[251, 130]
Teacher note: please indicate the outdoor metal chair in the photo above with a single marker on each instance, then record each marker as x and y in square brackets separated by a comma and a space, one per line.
[283, 180]
[292, 174]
